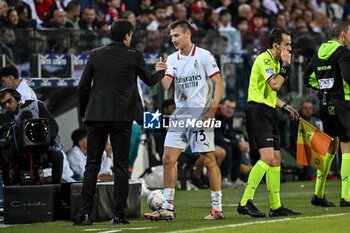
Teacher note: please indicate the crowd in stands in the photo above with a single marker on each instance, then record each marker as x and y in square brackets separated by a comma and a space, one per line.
[219, 25]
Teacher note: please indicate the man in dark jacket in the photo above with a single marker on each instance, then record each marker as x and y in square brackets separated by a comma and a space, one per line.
[227, 139]
[109, 102]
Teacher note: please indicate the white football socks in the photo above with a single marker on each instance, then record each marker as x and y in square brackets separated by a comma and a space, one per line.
[168, 199]
[216, 197]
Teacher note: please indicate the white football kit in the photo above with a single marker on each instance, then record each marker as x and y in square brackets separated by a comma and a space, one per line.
[193, 96]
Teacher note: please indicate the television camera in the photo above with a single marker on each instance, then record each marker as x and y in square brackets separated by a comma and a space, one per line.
[23, 143]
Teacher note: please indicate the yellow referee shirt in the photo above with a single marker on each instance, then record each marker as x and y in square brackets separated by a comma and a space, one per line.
[264, 68]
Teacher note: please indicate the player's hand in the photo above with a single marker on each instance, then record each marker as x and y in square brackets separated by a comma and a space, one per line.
[292, 112]
[210, 114]
[161, 65]
[286, 56]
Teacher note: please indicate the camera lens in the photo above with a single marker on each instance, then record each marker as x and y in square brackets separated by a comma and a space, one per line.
[36, 131]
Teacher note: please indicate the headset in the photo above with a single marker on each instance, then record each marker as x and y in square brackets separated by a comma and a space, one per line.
[13, 92]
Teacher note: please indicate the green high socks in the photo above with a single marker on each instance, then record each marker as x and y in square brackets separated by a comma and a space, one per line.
[322, 176]
[345, 176]
[273, 183]
[255, 176]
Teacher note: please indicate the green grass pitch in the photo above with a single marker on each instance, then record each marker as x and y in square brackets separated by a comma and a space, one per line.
[192, 206]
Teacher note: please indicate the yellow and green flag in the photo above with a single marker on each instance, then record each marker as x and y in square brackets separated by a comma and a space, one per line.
[312, 145]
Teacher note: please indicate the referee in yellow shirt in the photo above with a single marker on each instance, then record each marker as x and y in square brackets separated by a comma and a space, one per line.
[268, 73]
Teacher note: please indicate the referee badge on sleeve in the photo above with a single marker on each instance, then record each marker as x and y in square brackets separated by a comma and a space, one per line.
[269, 72]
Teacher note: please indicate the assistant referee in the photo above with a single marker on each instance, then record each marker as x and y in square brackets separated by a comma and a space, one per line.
[329, 74]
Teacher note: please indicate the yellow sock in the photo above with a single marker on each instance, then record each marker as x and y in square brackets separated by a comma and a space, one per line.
[345, 176]
[322, 176]
[255, 176]
[273, 183]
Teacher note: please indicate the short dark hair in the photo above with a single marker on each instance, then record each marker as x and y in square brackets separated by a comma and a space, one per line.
[120, 28]
[20, 7]
[229, 99]
[240, 20]
[89, 7]
[337, 28]
[184, 24]
[77, 135]
[146, 12]
[306, 101]
[9, 70]
[72, 5]
[224, 12]
[158, 6]
[276, 36]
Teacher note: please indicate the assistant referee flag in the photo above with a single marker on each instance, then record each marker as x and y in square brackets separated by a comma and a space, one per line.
[312, 145]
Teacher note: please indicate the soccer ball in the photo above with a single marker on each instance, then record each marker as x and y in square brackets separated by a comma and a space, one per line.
[155, 199]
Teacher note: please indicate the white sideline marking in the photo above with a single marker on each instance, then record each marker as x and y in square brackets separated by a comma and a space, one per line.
[259, 222]
[109, 230]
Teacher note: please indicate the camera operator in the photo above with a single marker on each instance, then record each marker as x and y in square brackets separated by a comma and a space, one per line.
[10, 100]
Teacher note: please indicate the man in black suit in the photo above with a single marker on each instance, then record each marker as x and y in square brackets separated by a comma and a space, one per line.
[109, 102]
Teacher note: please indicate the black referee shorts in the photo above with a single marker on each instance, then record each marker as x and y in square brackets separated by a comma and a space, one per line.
[261, 125]
[335, 117]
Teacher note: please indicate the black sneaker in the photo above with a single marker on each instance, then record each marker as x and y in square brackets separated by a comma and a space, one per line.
[84, 220]
[119, 220]
[250, 209]
[344, 203]
[282, 211]
[196, 181]
[316, 201]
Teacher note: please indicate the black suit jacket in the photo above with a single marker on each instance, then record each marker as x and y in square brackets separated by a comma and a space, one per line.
[107, 90]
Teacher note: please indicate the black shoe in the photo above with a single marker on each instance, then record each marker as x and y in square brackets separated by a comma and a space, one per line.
[250, 209]
[84, 220]
[196, 181]
[120, 220]
[344, 203]
[316, 201]
[282, 211]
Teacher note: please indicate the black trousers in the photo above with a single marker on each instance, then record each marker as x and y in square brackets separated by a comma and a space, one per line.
[55, 157]
[120, 133]
[232, 162]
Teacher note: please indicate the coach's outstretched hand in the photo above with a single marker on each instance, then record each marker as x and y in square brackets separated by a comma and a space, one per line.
[161, 65]
[292, 111]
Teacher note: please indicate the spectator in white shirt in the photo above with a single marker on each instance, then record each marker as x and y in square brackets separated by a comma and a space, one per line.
[10, 78]
[67, 173]
[77, 157]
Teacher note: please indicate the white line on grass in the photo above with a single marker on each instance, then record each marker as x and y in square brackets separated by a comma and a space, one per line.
[260, 222]
[109, 230]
